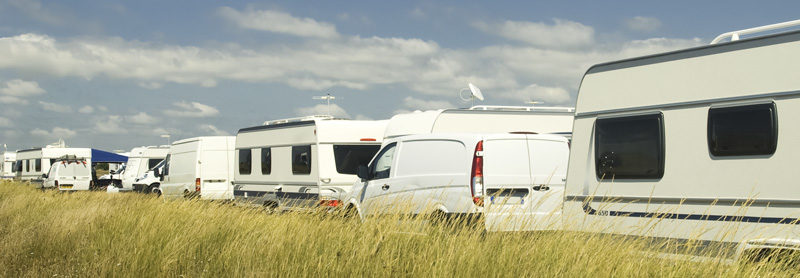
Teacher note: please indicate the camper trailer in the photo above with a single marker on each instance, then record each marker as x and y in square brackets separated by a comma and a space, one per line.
[302, 162]
[199, 167]
[33, 163]
[484, 119]
[693, 145]
[140, 160]
[7, 168]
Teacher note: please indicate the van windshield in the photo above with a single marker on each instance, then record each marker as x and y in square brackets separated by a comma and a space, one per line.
[349, 157]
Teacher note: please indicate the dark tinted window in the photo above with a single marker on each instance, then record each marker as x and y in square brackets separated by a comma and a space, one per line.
[630, 147]
[153, 162]
[349, 157]
[245, 161]
[27, 165]
[744, 130]
[301, 160]
[166, 166]
[266, 161]
[18, 166]
[38, 164]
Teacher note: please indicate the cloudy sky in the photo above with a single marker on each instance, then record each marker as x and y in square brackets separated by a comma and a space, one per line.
[118, 74]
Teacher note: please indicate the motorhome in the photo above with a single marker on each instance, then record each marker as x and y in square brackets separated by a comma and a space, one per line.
[140, 160]
[199, 167]
[693, 145]
[69, 173]
[302, 162]
[515, 181]
[7, 168]
[33, 163]
[484, 119]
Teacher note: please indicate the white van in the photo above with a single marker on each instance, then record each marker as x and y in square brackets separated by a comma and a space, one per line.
[30, 162]
[302, 162]
[140, 160]
[69, 173]
[199, 167]
[149, 182]
[694, 145]
[7, 168]
[515, 180]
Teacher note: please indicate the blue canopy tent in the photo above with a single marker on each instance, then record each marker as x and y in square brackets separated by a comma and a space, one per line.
[99, 156]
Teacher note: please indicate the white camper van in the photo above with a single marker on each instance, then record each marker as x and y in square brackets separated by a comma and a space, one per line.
[515, 180]
[69, 173]
[33, 163]
[484, 119]
[7, 168]
[140, 160]
[302, 162]
[199, 167]
[704, 140]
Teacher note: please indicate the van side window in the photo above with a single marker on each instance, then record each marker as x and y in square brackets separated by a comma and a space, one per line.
[743, 130]
[382, 166]
[38, 165]
[245, 161]
[266, 161]
[301, 160]
[630, 147]
[166, 166]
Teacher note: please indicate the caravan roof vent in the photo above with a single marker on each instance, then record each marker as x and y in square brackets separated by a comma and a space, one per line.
[300, 119]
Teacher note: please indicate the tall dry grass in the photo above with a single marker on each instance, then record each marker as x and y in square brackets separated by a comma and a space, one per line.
[47, 233]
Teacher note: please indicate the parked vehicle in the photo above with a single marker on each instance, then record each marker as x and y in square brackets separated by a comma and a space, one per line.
[7, 168]
[302, 162]
[29, 162]
[149, 182]
[692, 145]
[69, 173]
[199, 167]
[140, 160]
[515, 180]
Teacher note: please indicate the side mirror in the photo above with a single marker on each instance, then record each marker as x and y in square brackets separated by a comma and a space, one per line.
[363, 172]
[44, 176]
[156, 173]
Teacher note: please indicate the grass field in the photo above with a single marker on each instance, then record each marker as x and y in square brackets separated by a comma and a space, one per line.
[83, 234]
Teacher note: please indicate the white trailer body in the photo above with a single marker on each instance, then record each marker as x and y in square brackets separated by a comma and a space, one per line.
[7, 168]
[141, 160]
[302, 163]
[698, 144]
[200, 166]
[33, 163]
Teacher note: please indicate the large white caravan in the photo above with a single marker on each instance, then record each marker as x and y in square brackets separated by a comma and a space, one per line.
[303, 161]
[697, 144]
[199, 167]
[9, 161]
[484, 119]
[33, 163]
[140, 160]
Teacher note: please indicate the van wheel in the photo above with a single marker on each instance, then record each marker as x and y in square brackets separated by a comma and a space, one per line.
[153, 189]
[437, 218]
[350, 213]
[270, 207]
[189, 195]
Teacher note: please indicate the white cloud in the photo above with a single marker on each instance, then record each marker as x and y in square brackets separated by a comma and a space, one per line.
[563, 33]
[141, 118]
[55, 107]
[20, 88]
[6, 122]
[56, 133]
[160, 131]
[643, 24]
[109, 125]
[548, 96]
[191, 110]
[419, 104]
[102, 108]
[12, 100]
[322, 109]
[86, 109]
[213, 130]
[278, 22]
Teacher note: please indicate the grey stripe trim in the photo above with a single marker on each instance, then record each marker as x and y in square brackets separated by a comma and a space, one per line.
[276, 183]
[686, 201]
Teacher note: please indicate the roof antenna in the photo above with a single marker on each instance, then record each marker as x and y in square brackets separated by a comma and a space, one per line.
[475, 92]
[327, 97]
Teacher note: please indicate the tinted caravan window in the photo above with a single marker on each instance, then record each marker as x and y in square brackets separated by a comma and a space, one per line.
[744, 130]
[266, 161]
[38, 165]
[301, 160]
[630, 147]
[245, 161]
[348, 157]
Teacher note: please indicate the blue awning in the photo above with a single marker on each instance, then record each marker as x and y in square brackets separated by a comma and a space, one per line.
[104, 156]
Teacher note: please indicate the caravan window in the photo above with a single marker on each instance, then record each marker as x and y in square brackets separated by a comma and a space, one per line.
[630, 147]
[266, 161]
[27, 165]
[18, 166]
[301, 160]
[743, 130]
[245, 161]
[38, 165]
[348, 157]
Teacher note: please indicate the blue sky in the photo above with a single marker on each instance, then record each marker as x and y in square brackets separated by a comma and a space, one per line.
[118, 74]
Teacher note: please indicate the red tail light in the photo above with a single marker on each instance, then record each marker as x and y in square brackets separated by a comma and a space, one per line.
[329, 203]
[476, 184]
[56, 183]
[368, 139]
[197, 185]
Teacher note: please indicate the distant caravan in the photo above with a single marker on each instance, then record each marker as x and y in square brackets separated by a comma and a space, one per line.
[698, 146]
[32, 164]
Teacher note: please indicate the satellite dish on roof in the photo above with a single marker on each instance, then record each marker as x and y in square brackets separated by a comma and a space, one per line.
[475, 92]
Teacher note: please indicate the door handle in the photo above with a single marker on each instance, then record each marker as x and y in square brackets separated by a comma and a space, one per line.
[385, 187]
[541, 187]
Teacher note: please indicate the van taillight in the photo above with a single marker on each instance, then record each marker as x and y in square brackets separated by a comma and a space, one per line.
[197, 185]
[368, 139]
[476, 184]
[56, 183]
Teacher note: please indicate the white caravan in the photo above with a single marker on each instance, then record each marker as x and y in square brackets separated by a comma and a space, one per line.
[199, 167]
[516, 181]
[7, 168]
[302, 162]
[69, 173]
[140, 160]
[484, 119]
[697, 144]
[30, 162]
